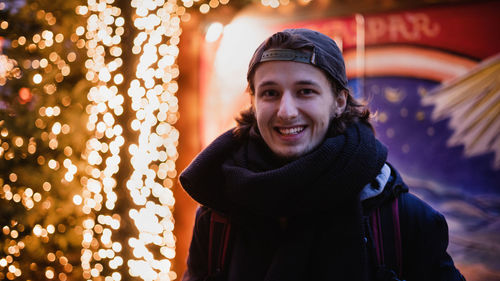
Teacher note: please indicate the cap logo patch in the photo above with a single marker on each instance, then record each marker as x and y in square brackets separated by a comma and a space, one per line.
[287, 55]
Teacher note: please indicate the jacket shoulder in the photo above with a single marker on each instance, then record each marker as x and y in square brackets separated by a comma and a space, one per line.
[414, 208]
[424, 234]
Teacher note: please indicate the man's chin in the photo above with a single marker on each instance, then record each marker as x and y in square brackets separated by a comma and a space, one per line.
[290, 155]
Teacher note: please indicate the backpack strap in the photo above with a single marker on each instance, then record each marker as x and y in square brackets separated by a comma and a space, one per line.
[385, 228]
[397, 236]
[218, 242]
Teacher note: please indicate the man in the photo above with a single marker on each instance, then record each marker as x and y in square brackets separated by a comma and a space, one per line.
[301, 183]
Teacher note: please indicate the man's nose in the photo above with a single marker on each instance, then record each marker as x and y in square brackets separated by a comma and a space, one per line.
[287, 107]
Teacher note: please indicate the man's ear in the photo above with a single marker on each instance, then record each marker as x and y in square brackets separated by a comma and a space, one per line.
[341, 101]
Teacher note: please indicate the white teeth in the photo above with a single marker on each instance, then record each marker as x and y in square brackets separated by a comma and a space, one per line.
[291, 131]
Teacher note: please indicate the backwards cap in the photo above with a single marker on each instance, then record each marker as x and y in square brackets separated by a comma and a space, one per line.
[325, 53]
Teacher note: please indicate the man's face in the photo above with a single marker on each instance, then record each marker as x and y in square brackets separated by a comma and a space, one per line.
[293, 105]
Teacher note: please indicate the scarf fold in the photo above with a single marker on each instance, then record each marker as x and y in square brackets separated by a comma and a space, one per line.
[232, 176]
[318, 193]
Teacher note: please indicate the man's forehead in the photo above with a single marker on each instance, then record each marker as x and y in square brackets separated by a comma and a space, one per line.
[275, 72]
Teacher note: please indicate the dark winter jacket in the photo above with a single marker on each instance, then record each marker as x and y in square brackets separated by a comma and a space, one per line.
[424, 234]
[303, 219]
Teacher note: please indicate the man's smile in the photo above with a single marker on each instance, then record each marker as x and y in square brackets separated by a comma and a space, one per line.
[290, 130]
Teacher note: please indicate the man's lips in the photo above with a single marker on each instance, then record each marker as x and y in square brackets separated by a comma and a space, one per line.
[290, 131]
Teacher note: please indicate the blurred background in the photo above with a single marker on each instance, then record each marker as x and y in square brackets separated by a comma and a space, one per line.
[104, 102]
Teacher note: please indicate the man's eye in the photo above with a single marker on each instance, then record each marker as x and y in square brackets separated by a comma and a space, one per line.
[306, 92]
[269, 93]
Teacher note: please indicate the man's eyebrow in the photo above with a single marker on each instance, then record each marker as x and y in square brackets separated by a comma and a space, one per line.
[307, 82]
[267, 83]
[300, 82]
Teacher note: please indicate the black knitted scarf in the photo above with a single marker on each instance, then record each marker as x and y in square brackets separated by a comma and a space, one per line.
[318, 193]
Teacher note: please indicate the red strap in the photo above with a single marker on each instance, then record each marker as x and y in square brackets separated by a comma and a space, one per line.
[376, 225]
[397, 235]
[216, 218]
[210, 243]
[377, 236]
[227, 231]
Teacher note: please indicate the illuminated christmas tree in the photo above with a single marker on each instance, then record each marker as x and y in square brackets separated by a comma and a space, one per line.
[42, 125]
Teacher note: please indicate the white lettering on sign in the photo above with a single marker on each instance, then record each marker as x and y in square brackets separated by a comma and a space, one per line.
[400, 27]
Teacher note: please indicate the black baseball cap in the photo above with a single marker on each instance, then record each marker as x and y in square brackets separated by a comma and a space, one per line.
[324, 53]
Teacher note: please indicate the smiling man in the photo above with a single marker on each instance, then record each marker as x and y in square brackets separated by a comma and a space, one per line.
[294, 103]
[300, 189]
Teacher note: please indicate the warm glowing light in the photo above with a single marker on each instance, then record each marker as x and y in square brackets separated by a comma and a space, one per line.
[49, 274]
[51, 229]
[153, 99]
[204, 8]
[77, 200]
[103, 149]
[37, 230]
[37, 78]
[25, 95]
[214, 32]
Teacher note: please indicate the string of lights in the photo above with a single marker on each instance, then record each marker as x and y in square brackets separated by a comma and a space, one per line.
[154, 102]
[153, 157]
[102, 41]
